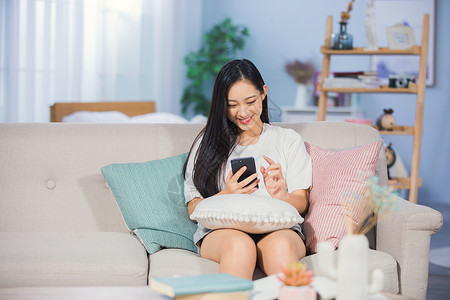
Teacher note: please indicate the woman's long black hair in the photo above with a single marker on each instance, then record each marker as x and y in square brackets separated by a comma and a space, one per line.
[220, 134]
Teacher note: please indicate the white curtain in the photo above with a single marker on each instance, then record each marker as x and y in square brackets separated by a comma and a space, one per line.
[93, 50]
[176, 31]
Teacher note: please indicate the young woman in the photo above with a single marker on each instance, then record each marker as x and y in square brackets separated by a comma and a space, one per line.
[238, 126]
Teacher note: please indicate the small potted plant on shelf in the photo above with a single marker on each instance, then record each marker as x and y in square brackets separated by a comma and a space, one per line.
[302, 73]
[296, 280]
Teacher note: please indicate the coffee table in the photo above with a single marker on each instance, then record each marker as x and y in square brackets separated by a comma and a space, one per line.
[84, 292]
[396, 297]
[97, 293]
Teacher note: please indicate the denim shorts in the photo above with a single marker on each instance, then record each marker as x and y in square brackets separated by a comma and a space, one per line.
[202, 232]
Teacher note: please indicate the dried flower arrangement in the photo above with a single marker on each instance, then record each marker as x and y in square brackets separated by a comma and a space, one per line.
[295, 274]
[301, 72]
[345, 15]
[376, 202]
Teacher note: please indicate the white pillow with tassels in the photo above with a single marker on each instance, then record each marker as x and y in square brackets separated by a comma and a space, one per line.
[249, 213]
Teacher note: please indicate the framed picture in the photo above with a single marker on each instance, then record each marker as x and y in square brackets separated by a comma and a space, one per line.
[409, 13]
[400, 37]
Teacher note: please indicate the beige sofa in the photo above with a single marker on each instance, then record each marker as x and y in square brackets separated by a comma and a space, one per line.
[60, 224]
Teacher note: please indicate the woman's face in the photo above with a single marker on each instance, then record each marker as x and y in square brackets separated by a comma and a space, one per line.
[245, 105]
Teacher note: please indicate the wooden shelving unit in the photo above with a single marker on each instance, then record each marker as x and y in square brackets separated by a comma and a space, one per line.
[415, 50]
[413, 182]
[398, 130]
[412, 89]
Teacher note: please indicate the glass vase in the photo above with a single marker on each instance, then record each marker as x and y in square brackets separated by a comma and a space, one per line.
[342, 40]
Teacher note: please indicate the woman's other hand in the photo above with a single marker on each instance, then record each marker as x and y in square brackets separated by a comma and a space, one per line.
[273, 180]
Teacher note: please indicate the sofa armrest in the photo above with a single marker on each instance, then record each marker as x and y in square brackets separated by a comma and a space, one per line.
[405, 234]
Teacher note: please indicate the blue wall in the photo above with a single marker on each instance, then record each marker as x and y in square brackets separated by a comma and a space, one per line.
[285, 30]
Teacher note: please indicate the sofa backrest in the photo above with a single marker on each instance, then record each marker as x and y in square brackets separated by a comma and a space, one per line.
[50, 177]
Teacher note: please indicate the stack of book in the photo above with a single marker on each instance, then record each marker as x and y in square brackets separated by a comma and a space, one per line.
[359, 79]
[221, 286]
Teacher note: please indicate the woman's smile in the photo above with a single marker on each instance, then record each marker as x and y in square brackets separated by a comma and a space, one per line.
[246, 121]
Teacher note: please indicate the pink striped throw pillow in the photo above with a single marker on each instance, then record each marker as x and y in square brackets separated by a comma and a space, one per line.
[337, 174]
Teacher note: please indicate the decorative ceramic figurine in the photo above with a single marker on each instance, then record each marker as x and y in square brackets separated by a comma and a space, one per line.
[351, 272]
[371, 31]
[386, 121]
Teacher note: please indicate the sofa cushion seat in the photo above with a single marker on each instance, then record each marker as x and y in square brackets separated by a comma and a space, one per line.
[62, 258]
[180, 262]
[186, 263]
[377, 260]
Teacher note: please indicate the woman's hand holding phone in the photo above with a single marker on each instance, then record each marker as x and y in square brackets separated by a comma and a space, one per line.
[246, 186]
[242, 178]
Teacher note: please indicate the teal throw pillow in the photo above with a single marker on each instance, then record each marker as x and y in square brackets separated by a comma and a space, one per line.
[150, 196]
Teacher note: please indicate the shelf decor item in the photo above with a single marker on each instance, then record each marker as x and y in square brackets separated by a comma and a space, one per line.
[303, 96]
[400, 37]
[343, 40]
[302, 74]
[391, 157]
[370, 26]
[386, 121]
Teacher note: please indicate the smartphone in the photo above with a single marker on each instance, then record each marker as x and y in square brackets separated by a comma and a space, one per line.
[238, 163]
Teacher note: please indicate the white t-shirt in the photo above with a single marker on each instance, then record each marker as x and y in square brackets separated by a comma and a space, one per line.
[282, 145]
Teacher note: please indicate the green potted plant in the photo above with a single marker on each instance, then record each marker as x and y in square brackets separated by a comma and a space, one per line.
[219, 45]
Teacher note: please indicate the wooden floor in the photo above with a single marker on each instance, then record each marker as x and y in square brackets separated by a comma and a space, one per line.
[439, 277]
[438, 287]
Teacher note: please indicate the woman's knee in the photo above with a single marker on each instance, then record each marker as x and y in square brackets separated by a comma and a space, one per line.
[240, 244]
[279, 249]
[286, 244]
[228, 242]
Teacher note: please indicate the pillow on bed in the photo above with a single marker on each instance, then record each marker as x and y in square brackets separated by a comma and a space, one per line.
[337, 174]
[249, 213]
[150, 196]
[155, 117]
[96, 117]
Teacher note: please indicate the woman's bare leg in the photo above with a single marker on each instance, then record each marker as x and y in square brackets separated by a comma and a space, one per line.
[279, 248]
[234, 250]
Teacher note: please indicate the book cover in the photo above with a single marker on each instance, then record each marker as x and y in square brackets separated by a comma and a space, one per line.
[216, 296]
[202, 284]
[355, 74]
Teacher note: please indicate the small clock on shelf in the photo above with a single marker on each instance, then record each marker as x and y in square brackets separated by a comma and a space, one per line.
[390, 158]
